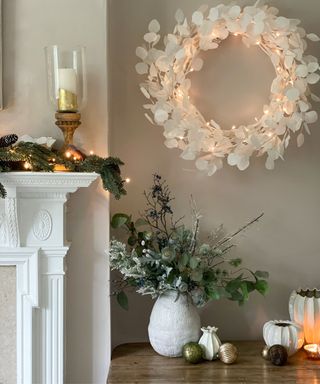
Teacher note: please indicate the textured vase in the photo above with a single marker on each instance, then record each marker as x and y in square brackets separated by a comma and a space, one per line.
[286, 333]
[210, 343]
[304, 309]
[174, 321]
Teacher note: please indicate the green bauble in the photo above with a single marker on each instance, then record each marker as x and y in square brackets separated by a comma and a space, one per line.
[192, 352]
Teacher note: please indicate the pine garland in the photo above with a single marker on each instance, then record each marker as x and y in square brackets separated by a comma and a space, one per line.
[41, 159]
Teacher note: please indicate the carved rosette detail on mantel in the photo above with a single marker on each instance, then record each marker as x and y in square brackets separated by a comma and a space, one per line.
[42, 225]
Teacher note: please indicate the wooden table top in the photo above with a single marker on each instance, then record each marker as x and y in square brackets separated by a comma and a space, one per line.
[139, 364]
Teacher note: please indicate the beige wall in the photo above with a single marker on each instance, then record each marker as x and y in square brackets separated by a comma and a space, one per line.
[8, 334]
[232, 87]
[28, 27]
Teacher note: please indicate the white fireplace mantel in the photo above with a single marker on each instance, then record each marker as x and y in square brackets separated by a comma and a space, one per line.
[32, 238]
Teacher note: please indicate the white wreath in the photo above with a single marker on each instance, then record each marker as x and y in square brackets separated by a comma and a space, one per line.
[167, 84]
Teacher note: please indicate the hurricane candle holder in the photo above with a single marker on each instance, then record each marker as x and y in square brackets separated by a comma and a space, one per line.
[67, 86]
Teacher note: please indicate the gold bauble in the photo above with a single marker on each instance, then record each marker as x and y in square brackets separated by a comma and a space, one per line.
[265, 352]
[192, 352]
[228, 353]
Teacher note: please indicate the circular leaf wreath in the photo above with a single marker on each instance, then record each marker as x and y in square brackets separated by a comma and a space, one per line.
[167, 85]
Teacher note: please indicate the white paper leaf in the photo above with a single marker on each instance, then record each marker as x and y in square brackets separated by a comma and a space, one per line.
[197, 18]
[142, 68]
[313, 67]
[243, 164]
[213, 14]
[313, 37]
[149, 118]
[188, 154]
[302, 70]
[233, 159]
[305, 125]
[288, 61]
[270, 163]
[141, 52]
[180, 54]
[179, 16]
[145, 92]
[197, 64]
[300, 140]
[150, 37]
[293, 94]
[258, 28]
[282, 22]
[161, 116]
[171, 143]
[304, 107]
[313, 78]
[234, 11]
[201, 164]
[311, 117]
[212, 169]
[154, 26]
[315, 98]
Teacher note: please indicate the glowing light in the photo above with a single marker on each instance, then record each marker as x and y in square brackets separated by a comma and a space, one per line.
[233, 127]
[270, 134]
[27, 165]
[53, 160]
[266, 111]
[74, 158]
[256, 119]
[208, 124]
[192, 69]
[68, 154]
[278, 34]
[91, 153]
[127, 180]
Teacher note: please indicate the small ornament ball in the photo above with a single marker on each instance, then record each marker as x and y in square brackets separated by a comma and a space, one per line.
[265, 352]
[278, 355]
[192, 352]
[228, 353]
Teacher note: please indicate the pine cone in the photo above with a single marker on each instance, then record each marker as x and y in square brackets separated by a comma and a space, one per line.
[6, 141]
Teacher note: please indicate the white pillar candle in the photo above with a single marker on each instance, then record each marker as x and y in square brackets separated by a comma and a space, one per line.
[68, 79]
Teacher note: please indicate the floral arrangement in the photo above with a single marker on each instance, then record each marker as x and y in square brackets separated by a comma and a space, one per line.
[161, 254]
[168, 74]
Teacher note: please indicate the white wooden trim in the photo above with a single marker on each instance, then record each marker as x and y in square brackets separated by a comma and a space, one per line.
[32, 235]
[27, 272]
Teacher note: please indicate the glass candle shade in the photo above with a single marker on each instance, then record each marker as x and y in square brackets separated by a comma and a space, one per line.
[67, 79]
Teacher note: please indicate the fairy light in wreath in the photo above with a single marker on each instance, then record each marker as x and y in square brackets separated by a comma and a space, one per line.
[167, 85]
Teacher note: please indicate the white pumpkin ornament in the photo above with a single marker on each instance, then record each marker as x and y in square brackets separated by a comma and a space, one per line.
[286, 333]
[210, 343]
[304, 309]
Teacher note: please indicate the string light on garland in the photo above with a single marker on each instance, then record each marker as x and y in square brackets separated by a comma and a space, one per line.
[26, 156]
[128, 180]
[167, 85]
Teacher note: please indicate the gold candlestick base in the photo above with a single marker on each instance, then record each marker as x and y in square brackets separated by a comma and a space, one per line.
[68, 122]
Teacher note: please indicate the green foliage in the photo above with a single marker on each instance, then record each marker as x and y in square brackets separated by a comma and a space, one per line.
[41, 158]
[167, 256]
[122, 299]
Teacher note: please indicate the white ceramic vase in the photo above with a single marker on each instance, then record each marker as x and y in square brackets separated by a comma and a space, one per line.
[210, 343]
[304, 309]
[174, 321]
[286, 333]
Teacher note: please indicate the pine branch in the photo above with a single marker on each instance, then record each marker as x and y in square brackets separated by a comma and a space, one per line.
[41, 159]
